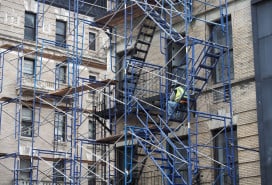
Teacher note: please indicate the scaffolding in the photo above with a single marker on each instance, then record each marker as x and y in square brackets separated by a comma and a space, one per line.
[151, 144]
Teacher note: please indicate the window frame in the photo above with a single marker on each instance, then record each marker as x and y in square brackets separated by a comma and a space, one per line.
[27, 124]
[33, 37]
[63, 35]
[217, 73]
[92, 41]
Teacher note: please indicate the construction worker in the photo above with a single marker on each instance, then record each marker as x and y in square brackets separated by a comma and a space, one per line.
[177, 98]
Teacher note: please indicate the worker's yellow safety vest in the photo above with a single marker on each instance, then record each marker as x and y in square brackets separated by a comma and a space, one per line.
[179, 94]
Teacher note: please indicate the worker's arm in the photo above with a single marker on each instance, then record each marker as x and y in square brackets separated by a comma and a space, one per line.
[172, 97]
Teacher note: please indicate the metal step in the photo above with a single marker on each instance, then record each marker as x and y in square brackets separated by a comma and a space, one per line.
[143, 42]
[213, 55]
[195, 89]
[201, 78]
[204, 66]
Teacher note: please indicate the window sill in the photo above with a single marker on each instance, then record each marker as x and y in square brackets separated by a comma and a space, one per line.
[61, 143]
[26, 138]
[233, 82]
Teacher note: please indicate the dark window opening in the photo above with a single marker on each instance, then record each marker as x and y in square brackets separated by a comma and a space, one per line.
[26, 124]
[61, 74]
[121, 163]
[218, 36]
[92, 41]
[30, 26]
[28, 67]
[177, 66]
[58, 171]
[60, 126]
[91, 175]
[25, 169]
[91, 80]
[60, 33]
[92, 128]
[220, 155]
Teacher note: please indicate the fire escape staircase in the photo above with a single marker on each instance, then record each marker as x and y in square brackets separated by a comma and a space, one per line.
[163, 17]
[138, 56]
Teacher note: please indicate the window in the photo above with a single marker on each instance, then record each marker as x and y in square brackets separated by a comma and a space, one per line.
[28, 67]
[177, 66]
[26, 125]
[25, 169]
[30, 26]
[58, 171]
[182, 167]
[60, 33]
[91, 175]
[61, 74]
[92, 79]
[220, 38]
[92, 129]
[131, 157]
[60, 126]
[220, 155]
[92, 41]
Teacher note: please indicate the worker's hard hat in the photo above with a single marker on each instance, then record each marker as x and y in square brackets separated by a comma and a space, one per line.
[174, 83]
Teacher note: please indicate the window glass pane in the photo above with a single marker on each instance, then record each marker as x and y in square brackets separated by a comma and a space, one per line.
[29, 34]
[25, 168]
[62, 75]
[60, 28]
[30, 26]
[60, 124]
[58, 174]
[28, 67]
[92, 41]
[91, 175]
[60, 38]
[92, 129]
[92, 79]
[219, 36]
[26, 114]
[30, 20]
[26, 129]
